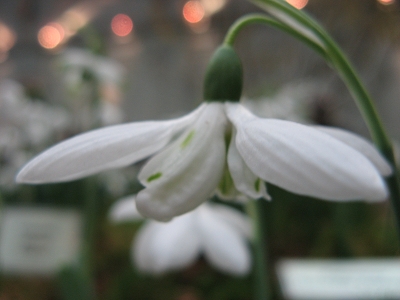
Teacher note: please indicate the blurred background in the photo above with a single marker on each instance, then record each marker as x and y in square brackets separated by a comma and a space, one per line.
[68, 66]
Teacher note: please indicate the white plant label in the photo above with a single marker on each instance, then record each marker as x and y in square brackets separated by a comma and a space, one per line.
[38, 241]
[340, 279]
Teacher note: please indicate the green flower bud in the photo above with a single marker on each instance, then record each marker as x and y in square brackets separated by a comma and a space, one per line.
[224, 76]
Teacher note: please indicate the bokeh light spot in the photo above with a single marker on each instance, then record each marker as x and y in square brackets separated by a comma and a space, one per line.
[299, 4]
[7, 38]
[121, 25]
[59, 28]
[193, 11]
[212, 6]
[49, 36]
[386, 2]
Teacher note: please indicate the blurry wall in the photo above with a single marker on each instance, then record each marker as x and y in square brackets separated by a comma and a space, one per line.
[165, 58]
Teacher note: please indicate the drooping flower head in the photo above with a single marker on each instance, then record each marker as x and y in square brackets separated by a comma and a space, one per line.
[217, 231]
[220, 145]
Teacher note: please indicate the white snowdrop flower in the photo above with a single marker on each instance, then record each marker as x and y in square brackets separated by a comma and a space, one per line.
[125, 210]
[34, 118]
[218, 232]
[220, 141]
[24, 124]
[109, 70]
[189, 155]
[41, 121]
[77, 61]
[95, 84]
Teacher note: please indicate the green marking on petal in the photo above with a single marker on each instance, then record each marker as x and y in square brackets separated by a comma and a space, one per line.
[187, 140]
[154, 176]
[257, 185]
[226, 185]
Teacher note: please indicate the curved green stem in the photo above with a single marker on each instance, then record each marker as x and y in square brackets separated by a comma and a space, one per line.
[249, 19]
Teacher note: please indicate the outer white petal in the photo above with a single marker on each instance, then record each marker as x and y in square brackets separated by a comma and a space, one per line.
[183, 176]
[142, 248]
[245, 180]
[237, 220]
[125, 210]
[102, 149]
[224, 247]
[160, 247]
[360, 144]
[304, 160]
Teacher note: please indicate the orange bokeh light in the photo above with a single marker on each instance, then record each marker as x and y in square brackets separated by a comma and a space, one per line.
[51, 35]
[299, 4]
[121, 25]
[60, 29]
[386, 2]
[193, 11]
[212, 6]
[7, 38]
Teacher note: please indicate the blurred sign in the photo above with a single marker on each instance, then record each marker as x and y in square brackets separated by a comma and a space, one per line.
[340, 279]
[38, 241]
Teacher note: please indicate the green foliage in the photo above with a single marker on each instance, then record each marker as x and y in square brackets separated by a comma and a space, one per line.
[75, 284]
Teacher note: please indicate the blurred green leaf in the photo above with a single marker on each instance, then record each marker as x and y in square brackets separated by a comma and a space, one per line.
[75, 284]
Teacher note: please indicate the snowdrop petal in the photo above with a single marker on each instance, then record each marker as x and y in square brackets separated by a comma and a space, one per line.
[235, 219]
[226, 189]
[160, 247]
[360, 144]
[184, 175]
[304, 160]
[245, 180]
[141, 245]
[223, 246]
[102, 149]
[125, 210]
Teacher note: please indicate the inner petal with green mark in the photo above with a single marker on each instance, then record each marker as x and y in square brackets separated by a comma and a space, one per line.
[226, 187]
[187, 139]
[257, 185]
[154, 176]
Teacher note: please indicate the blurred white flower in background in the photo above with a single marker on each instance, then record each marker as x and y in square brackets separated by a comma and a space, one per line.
[37, 120]
[29, 125]
[94, 83]
[76, 61]
[218, 232]
[26, 126]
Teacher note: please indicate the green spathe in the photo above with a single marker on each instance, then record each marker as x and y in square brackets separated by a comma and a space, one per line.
[224, 76]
